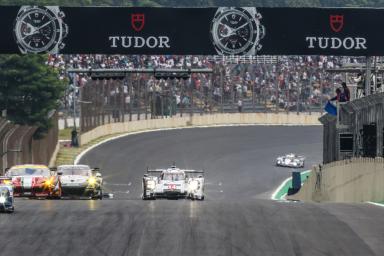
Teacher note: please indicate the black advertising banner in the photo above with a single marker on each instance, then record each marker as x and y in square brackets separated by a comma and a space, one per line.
[192, 31]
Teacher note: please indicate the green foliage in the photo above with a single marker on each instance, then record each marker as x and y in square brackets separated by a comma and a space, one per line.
[29, 90]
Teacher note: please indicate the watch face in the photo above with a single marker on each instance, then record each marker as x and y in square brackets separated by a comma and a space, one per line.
[234, 31]
[37, 30]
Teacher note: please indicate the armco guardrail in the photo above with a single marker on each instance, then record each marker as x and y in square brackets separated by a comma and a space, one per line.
[352, 180]
[17, 145]
[200, 120]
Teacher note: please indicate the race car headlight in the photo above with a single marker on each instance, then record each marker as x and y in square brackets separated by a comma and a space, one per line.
[7, 182]
[151, 184]
[2, 199]
[194, 185]
[91, 181]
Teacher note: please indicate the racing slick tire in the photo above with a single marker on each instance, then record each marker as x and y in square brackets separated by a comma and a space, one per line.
[97, 196]
[148, 197]
[10, 210]
[100, 197]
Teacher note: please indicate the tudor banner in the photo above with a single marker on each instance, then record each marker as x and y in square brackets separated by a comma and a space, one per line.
[195, 31]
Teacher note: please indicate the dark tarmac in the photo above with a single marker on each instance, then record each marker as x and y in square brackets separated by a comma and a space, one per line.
[237, 217]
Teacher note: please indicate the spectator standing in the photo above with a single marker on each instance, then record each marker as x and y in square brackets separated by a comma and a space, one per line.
[240, 105]
[340, 97]
[346, 91]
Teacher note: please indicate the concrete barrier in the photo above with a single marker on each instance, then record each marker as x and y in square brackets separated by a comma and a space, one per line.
[201, 120]
[352, 180]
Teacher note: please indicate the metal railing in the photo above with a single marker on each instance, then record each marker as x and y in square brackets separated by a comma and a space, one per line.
[142, 97]
[18, 146]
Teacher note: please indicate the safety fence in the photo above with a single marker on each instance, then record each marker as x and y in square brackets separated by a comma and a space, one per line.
[140, 96]
[18, 145]
[352, 180]
[356, 131]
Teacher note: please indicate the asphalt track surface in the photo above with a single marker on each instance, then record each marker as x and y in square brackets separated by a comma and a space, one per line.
[237, 217]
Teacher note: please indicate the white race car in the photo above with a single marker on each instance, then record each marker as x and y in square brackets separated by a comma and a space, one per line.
[6, 195]
[173, 183]
[80, 181]
[291, 160]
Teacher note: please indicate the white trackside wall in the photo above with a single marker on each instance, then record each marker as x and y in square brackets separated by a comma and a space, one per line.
[201, 120]
[352, 180]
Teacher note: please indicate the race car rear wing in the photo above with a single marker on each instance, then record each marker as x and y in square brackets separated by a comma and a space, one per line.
[193, 171]
[161, 170]
[155, 170]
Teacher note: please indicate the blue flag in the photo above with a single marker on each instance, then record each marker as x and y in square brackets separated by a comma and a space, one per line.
[330, 109]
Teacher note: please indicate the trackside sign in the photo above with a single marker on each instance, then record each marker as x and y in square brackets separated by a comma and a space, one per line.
[195, 31]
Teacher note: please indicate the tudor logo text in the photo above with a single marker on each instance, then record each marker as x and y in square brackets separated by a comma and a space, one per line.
[336, 23]
[348, 43]
[134, 41]
[139, 42]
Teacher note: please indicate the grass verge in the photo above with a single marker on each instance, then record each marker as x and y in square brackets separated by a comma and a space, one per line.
[65, 134]
[282, 192]
[67, 154]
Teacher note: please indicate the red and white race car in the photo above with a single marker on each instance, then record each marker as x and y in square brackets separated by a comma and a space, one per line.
[34, 181]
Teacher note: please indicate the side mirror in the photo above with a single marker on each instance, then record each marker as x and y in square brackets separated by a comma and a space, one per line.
[96, 169]
[59, 173]
[145, 175]
[5, 171]
[53, 171]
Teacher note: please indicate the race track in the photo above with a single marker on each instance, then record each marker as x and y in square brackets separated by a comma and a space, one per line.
[237, 217]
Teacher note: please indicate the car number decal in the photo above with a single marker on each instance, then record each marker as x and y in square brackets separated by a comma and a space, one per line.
[171, 186]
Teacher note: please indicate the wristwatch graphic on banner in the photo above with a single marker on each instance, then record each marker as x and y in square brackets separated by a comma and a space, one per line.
[237, 31]
[40, 29]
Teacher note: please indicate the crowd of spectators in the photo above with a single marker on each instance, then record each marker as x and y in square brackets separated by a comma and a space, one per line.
[287, 82]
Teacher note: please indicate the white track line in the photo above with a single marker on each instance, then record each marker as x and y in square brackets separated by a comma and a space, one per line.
[273, 196]
[377, 204]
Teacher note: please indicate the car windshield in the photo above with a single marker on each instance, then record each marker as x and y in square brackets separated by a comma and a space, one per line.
[74, 170]
[173, 176]
[29, 171]
[4, 191]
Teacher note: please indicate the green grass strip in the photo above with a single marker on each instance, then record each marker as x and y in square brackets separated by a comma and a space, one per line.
[288, 183]
[67, 155]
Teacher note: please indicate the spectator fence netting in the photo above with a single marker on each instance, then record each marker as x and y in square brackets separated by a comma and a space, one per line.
[262, 84]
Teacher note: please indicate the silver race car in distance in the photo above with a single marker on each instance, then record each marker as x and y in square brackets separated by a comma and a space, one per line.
[80, 181]
[290, 160]
[173, 183]
[6, 195]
